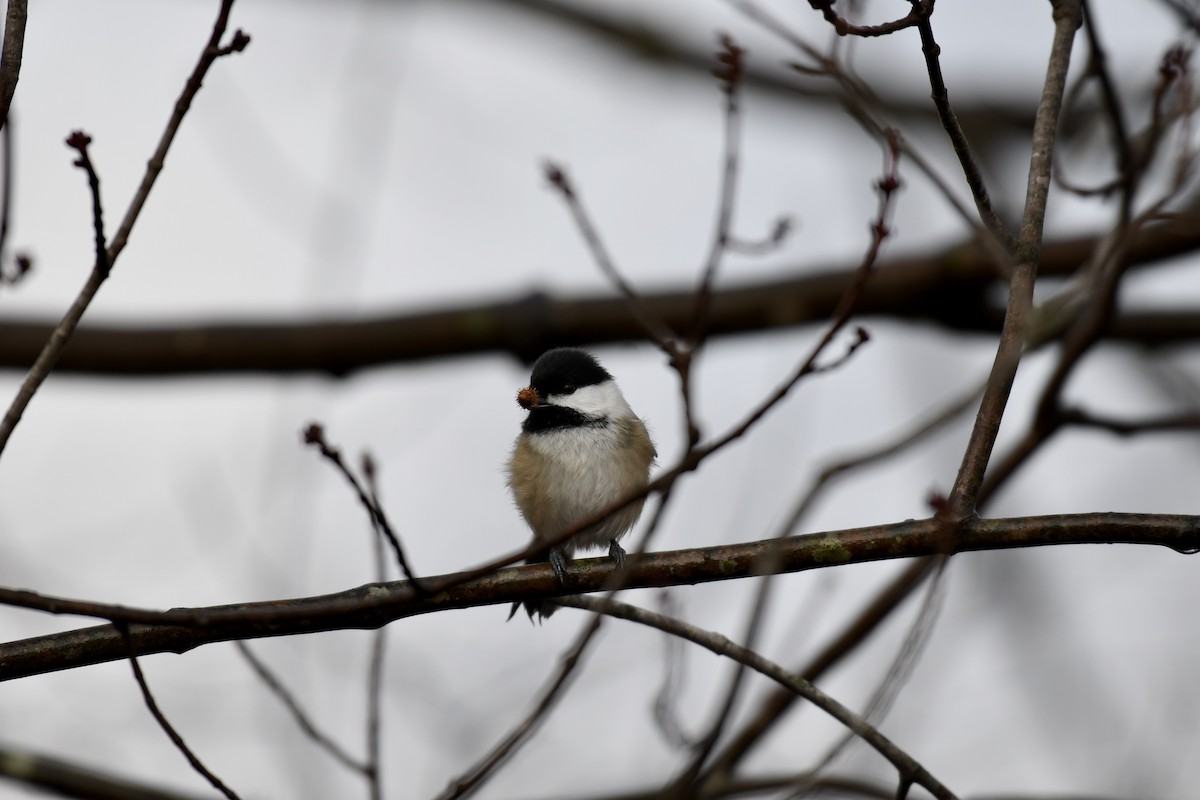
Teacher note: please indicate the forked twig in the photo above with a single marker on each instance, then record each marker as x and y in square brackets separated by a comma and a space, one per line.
[965, 492]
[887, 186]
[62, 333]
[773, 707]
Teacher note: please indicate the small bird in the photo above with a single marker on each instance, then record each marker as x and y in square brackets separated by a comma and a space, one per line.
[580, 449]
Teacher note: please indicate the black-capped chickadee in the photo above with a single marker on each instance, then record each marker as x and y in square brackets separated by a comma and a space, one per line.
[581, 448]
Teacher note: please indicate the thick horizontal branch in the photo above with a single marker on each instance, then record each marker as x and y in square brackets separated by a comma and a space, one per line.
[950, 287]
[374, 605]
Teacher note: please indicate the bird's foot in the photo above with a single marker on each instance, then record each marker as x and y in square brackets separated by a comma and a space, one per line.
[616, 553]
[558, 561]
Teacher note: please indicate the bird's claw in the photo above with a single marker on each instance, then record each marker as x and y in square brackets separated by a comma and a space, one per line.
[616, 553]
[558, 562]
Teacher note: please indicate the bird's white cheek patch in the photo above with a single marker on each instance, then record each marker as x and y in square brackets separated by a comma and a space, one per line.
[601, 400]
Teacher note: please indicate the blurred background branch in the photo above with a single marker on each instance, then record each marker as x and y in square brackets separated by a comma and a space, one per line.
[955, 288]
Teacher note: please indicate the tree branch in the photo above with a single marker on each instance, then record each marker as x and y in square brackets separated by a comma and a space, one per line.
[1068, 16]
[60, 335]
[67, 779]
[10, 59]
[372, 605]
[910, 770]
[950, 287]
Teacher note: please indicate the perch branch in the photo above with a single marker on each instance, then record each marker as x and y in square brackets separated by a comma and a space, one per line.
[367, 607]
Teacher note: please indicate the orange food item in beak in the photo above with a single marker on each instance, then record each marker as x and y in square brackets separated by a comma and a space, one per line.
[528, 397]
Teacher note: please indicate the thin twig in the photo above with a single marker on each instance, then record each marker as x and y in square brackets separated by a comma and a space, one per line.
[62, 333]
[377, 655]
[10, 56]
[906, 766]
[299, 715]
[21, 264]
[730, 71]
[958, 139]
[921, 10]
[902, 665]
[1112, 105]
[213, 50]
[769, 785]
[1167, 423]
[1089, 314]
[471, 781]
[165, 724]
[5, 198]
[314, 435]
[772, 708]
[703, 747]
[79, 141]
[864, 106]
[651, 325]
[964, 495]
[674, 679]
[887, 185]
[1102, 281]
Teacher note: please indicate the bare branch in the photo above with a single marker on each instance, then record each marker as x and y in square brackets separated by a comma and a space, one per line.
[962, 149]
[299, 715]
[378, 653]
[651, 325]
[79, 141]
[68, 779]
[314, 435]
[950, 286]
[165, 724]
[367, 607]
[908, 767]
[469, 783]
[773, 708]
[964, 495]
[479, 773]
[212, 51]
[730, 71]
[61, 334]
[921, 11]
[10, 57]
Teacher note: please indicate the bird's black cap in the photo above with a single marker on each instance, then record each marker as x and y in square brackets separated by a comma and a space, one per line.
[565, 369]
